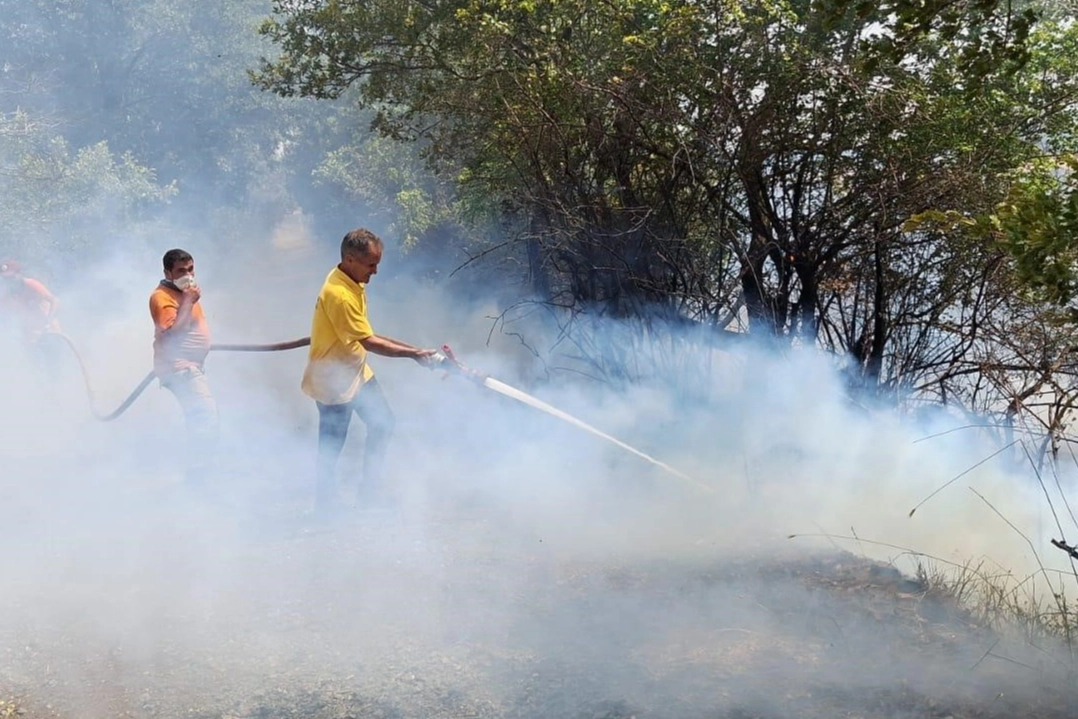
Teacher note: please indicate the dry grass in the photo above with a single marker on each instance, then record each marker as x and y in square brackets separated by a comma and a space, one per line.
[1035, 607]
[11, 707]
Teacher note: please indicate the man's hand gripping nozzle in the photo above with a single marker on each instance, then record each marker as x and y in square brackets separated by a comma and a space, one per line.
[447, 361]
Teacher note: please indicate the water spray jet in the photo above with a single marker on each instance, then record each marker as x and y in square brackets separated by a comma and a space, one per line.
[447, 360]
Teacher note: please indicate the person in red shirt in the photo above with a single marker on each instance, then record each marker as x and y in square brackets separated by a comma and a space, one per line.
[28, 302]
[180, 345]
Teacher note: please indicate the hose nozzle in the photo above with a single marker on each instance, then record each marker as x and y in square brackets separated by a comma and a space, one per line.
[447, 361]
[437, 360]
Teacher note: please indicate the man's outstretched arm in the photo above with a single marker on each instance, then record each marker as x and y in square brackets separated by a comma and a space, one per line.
[389, 347]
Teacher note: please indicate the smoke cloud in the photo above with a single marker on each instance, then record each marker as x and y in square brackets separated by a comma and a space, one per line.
[532, 570]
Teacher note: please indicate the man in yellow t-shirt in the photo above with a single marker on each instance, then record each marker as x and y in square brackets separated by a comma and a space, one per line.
[338, 377]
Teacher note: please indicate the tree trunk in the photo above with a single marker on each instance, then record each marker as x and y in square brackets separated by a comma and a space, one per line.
[808, 300]
[537, 273]
[757, 302]
[880, 329]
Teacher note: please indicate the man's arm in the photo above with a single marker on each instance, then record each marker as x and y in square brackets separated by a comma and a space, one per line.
[389, 347]
[169, 315]
[187, 305]
[351, 325]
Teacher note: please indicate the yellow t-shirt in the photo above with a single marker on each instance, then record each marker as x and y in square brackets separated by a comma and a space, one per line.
[337, 361]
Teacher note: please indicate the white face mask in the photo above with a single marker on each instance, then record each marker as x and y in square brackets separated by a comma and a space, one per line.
[182, 283]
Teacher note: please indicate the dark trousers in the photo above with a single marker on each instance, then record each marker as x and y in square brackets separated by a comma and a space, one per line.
[333, 421]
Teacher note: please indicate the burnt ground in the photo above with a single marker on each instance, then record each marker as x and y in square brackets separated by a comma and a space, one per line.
[385, 619]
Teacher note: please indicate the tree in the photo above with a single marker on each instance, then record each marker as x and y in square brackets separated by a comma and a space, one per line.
[166, 83]
[1038, 224]
[646, 144]
[57, 199]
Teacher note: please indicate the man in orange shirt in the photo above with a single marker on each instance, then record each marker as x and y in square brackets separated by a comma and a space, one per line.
[180, 345]
[28, 301]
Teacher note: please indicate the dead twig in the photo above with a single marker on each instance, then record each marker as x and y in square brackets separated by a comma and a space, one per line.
[963, 474]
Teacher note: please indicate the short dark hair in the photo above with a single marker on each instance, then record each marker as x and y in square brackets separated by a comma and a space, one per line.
[360, 243]
[173, 256]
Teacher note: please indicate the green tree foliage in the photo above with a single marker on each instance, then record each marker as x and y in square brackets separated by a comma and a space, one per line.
[1039, 226]
[1036, 224]
[1033, 215]
[165, 82]
[59, 199]
[712, 161]
[402, 194]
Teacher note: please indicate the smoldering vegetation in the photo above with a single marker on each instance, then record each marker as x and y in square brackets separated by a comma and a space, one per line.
[532, 569]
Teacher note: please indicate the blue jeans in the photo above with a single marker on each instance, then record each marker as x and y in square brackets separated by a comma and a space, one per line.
[333, 421]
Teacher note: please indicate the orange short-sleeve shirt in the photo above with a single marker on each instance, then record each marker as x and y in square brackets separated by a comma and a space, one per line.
[32, 304]
[181, 348]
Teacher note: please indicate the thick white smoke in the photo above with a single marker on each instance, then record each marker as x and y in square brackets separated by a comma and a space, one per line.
[532, 570]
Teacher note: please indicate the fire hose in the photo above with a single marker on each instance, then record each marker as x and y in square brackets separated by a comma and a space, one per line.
[444, 360]
[135, 393]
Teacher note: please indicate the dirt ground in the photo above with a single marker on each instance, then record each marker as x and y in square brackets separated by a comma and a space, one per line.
[387, 617]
